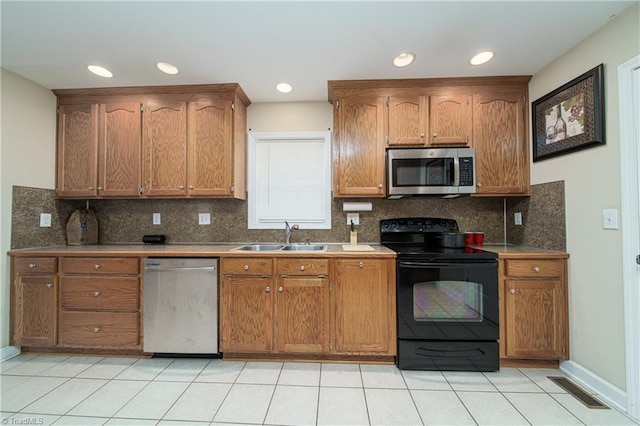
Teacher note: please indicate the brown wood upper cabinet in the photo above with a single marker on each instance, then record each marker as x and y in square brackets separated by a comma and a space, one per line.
[165, 142]
[487, 113]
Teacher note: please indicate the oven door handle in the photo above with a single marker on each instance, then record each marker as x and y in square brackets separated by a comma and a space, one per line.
[450, 265]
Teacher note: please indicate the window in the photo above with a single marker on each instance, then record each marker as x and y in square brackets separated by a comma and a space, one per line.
[289, 179]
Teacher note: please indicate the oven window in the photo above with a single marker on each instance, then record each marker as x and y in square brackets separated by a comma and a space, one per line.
[422, 172]
[447, 301]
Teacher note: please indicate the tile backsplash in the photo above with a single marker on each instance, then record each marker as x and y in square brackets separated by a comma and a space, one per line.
[126, 221]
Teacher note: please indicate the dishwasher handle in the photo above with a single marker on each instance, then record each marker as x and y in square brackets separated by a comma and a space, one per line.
[179, 268]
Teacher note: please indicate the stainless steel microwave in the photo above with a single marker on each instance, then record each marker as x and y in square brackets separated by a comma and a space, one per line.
[447, 172]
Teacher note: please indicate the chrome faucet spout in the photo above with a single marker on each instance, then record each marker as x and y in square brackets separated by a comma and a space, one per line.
[288, 230]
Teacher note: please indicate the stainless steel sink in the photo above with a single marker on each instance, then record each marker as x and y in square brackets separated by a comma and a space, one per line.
[281, 247]
[260, 247]
[305, 247]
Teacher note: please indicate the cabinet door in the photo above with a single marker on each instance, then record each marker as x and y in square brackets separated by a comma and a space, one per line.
[210, 148]
[450, 122]
[408, 120]
[363, 306]
[502, 154]
[359, 150]
[77, 151]
[35, 307]
[535, 319]
[164, 137]
[303, 315]
[120, 150]
[247, 314]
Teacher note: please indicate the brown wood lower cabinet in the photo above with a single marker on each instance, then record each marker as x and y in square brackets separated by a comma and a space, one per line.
[100, 303]
[34, 301]
[308, 306]
[534, 318]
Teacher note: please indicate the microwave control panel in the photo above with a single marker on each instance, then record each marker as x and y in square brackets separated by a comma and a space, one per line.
[466, 171]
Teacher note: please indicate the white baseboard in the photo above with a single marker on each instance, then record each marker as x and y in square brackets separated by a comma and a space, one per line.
[608, 393]
[8, 352]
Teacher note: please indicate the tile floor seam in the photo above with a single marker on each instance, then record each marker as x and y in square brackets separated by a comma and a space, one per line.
[364, 391]
[45, 394]
[275, 387]
[465, 406]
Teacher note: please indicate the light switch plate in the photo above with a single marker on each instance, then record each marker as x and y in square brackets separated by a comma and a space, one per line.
[610, 219]
[204, 219]
[45, 220]
[157, 219]
[355, 217]
[517, 217]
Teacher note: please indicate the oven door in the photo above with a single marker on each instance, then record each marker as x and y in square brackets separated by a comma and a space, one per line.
[448, 301]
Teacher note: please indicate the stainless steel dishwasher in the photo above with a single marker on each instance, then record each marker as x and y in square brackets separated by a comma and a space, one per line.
[180, 305]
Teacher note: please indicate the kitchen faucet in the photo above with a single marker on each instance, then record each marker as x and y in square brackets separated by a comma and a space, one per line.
[288, 230]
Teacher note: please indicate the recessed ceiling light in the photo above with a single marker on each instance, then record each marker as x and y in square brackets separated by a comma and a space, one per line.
[167, 68]
[284, 87]
[481, 58]
[101, 71]
[404, 60]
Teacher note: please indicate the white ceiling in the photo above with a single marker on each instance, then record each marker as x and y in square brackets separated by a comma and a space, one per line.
[305, 43]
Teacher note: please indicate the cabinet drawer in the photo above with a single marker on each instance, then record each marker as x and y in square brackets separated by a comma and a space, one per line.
[303, 266]
[533, 268]
[247, 266]
[35, 265]
[100, 293]
[100, 265]
[99, 329]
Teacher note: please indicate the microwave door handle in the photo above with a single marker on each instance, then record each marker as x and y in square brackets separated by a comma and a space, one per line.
[456, 171]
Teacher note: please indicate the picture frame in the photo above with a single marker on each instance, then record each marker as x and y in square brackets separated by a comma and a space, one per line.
[571, 117]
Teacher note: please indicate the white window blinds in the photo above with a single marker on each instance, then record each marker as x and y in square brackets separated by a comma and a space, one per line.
[290, 179]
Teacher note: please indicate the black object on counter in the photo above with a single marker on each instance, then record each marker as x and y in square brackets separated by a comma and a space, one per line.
[154, 239]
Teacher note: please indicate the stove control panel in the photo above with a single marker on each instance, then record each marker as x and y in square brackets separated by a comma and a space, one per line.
[418, 225]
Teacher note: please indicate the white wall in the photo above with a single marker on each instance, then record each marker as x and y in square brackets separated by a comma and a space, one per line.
[27, 158]
[592, 183]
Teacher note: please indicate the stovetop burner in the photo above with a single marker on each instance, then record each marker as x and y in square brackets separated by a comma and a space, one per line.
[419, 238]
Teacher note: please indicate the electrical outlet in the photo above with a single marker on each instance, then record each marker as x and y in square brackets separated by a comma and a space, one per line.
[157, 219]
[204, 219]
[355, 217]
[45, 220]
[517, 218]
[610, 219]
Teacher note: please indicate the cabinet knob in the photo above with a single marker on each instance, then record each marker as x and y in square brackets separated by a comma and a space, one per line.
[49, 285]
[361, 264]
[536, 269]
[96, 293]
[32, 265]
[96, 266]
[245, 267]
[422, 135]
[478, 184]
[512, 291]
[96, 329]
[435, 135]
[190, 186]
[280, 289]
[180, 186]
[99, 188]
[268, 289]
[91, 188]
[302, 268]
[380, 185]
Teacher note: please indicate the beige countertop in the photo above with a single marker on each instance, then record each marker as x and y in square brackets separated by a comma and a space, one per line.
[194, 250]
[506, 251]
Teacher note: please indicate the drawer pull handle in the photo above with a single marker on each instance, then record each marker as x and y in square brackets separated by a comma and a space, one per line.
[268, 289]
[361, 264]
[96, 266]
[536, 269]
[245, 267]
[49, 285]
[32, 265]
[512, 291]
[96, 329]
[280, 289]
[302, 268]
[96, 293]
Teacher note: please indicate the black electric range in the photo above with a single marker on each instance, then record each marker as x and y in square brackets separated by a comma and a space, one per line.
[447, 298]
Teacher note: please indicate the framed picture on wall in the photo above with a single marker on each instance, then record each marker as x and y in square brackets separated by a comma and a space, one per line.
[571, 117]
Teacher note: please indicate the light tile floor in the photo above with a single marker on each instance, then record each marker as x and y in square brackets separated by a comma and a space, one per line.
[81, 390]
